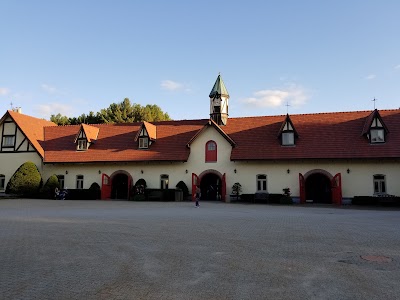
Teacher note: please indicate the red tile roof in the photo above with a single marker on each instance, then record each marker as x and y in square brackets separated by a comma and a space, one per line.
[91, 132]
[32, 128]
[321, 136]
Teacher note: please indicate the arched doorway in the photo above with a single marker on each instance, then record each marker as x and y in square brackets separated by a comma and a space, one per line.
[120, 186]
[318, 188]
[210, 186]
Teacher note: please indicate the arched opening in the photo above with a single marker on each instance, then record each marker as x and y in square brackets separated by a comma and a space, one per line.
[210, 186]
[318, 188]
[120, 187]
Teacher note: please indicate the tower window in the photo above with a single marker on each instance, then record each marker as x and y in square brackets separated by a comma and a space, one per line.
[288, 138]
[82, 145]
[211, 151]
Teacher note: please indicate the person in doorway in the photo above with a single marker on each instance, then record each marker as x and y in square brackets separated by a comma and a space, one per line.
[198, 195]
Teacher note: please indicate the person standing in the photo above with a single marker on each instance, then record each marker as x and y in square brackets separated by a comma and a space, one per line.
[198, 195]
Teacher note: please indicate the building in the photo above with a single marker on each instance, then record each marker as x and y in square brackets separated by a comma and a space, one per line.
[324, 157]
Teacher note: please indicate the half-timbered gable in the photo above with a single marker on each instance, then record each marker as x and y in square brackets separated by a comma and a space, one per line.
[375, 129]
[287, 133]
[86, 136]
[146, 135]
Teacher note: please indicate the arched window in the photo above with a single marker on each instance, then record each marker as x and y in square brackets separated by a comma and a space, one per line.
[2, 182]
[211, 151]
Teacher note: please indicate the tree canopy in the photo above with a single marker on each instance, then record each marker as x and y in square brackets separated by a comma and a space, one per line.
[123, 112]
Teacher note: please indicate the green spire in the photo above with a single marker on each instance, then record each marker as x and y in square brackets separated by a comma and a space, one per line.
[219, 88]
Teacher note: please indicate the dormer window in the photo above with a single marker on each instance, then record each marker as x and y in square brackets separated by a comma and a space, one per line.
[287, 133]
[288, 138]
[377, 135]
[82, 145]
[143, 142]
[375, 129]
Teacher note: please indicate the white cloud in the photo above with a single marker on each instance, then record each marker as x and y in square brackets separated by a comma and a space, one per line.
[294, 94]
[49, 89]
[370, 77]
[397, 67]
[4, 91]
[171, 85]
[46, 110]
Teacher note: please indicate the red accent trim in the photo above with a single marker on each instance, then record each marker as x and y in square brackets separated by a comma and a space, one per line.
[105, 187]
[302, 187]
[336, 183]
[211, 155]
[223, 188]
[195, 182]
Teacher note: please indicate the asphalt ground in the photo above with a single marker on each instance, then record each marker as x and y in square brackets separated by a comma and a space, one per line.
[150, 250]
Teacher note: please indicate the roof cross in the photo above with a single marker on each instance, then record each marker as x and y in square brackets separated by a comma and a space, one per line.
[374, 102]
[287, 107]
[11, 104]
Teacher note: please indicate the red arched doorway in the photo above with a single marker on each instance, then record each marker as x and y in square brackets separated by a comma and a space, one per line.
[212, 185]
[318, 188]
[116, 186]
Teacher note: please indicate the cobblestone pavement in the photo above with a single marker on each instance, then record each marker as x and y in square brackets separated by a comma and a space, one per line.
[134, 250]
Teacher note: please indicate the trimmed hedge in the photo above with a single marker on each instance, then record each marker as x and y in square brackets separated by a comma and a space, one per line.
[48, 190]
[26, 180]
[82, 194]
[369, 200]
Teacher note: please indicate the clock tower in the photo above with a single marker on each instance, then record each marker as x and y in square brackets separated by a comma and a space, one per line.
[219, 98]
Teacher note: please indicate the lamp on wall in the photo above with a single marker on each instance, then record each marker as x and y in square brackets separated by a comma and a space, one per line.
[99, 171]
[66, 172]
[348, 171]
[141, 171]
[235, 171]
[288, 171]
[186, 171]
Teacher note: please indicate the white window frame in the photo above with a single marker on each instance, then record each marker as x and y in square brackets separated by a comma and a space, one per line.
[82, 145]
[262, 183]
[288, 138]
[79, 182]
[380, 184]
[8, 140]
[377, 135]
[164, 181]
[2, 182]
[143, 142]
[61, 181]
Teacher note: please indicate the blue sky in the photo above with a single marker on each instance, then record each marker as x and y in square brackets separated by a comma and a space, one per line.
[72, 57]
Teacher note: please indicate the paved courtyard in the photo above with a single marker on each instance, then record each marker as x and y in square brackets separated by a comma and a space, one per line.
[129, 250]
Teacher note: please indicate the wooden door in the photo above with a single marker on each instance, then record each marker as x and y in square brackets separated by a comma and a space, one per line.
[105, 187]
[195, 182]
[223, 188]
[336, 184]
[302, 185]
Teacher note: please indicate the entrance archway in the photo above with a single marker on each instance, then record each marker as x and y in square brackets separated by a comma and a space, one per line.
[210, 185]
[318, 188]
[120, 185]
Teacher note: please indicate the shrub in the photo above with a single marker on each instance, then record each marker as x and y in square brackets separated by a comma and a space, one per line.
[236, 189]
[182, 186]
[49, 187]
[142, 182]
[96, 190]
[26, 180]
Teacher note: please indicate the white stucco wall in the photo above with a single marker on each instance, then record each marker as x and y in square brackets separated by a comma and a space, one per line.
[10, 162]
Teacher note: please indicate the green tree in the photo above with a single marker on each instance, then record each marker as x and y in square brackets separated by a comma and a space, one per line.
[25, 181]
[123, 112]
[59, 119]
